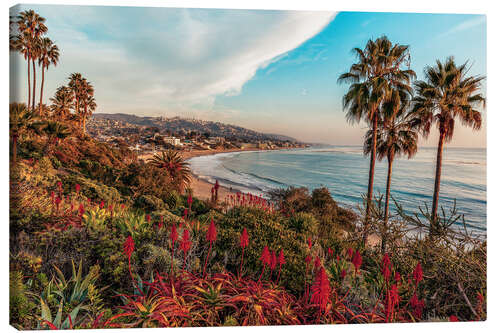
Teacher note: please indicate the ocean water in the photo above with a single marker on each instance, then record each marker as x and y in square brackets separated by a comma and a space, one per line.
[344, 171]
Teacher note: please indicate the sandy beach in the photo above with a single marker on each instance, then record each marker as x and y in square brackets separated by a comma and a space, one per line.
[201, 188]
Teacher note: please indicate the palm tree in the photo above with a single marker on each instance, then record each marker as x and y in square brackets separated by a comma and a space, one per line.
[174, 165]
[397, 136]
[446, 94]
[49, 55]
[62, 102]
[21, 120]
[88, 101]
[31, 27]
[76, 81]
[375, 78]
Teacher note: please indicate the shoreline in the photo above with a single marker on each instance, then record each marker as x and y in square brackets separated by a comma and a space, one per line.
[202, 188]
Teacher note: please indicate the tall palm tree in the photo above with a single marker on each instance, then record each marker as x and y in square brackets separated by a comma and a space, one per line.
[21, 120]
[76, 81]
[397, 136]
[62, 102]
[174, 165]
[88, 101]
[31, 27]
[377, 77]
[49, 55]
[446, 94]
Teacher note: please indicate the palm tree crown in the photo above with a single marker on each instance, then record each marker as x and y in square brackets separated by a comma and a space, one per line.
[174, 165]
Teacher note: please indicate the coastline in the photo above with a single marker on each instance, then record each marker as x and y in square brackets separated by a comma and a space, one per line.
[202, 188]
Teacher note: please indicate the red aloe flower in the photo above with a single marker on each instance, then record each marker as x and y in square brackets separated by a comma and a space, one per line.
[453, 318]
[309, 243]
[58, 202]
[243, 243]
[343, 273]
[418, 274]
[357, 261]
[417, 305]
[148, 218]
[274, 261]
[317, 262]
[281, 262]
[160, 224]
[321, 290]
[386, 268]
[308, 259]
[391, 302]
[265, 257]
[330, 253]
[173, 237]
[185, 216]
[101, 205]
[77, 188]
[81, 210]
[128, 249]
[349, 253]
[211, 237]
[190, 201]
[185, 245]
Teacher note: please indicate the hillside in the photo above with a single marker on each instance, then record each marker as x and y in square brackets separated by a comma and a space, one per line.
[183, 126]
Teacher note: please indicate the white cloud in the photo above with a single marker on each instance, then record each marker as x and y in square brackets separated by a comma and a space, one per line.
[171, 59]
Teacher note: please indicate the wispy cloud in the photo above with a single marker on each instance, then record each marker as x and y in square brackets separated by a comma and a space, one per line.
[466, 25]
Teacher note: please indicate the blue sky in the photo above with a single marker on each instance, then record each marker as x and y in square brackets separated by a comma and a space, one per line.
[272, 71]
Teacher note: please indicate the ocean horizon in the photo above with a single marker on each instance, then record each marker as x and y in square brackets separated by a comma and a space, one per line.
[344, 171]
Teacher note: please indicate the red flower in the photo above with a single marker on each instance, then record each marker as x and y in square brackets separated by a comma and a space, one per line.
[244, 238]
[330, 252]
[386, 267]
[321, 290]
[349, 253]
[309, 243]
[308, 259]
[357, 261]
[148, 218]
[185, 214]
[189, 201]
[160, 224]
[274, 260]
[453, 318]
[417, 305]
[216, 186]
[58, 201]
[265, 256]
[81, 210]
[173, 234]
[317, 262]
[418, 275]
[101, 205]
[77, 188]
[185, 243]
[281, 258]
[343, 273]
[211, 232]
[128, 246]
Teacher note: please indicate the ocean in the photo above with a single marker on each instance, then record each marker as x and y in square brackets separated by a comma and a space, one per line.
[344, 171]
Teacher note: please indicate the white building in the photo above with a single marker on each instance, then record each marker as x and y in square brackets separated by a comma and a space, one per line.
[173, 141]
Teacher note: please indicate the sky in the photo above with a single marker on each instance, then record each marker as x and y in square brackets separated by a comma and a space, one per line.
[271, 71]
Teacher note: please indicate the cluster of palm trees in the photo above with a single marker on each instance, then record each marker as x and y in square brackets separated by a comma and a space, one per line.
[28, 37]
[382, 94]
[71, 105]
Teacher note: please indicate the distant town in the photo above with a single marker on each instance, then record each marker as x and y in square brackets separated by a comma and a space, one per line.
[146, 135]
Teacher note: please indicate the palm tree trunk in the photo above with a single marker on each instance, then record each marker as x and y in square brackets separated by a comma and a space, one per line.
[34, 83]
[29, 83]
[437, 183]
[371, 176]
[41, 90]
[390, 159]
